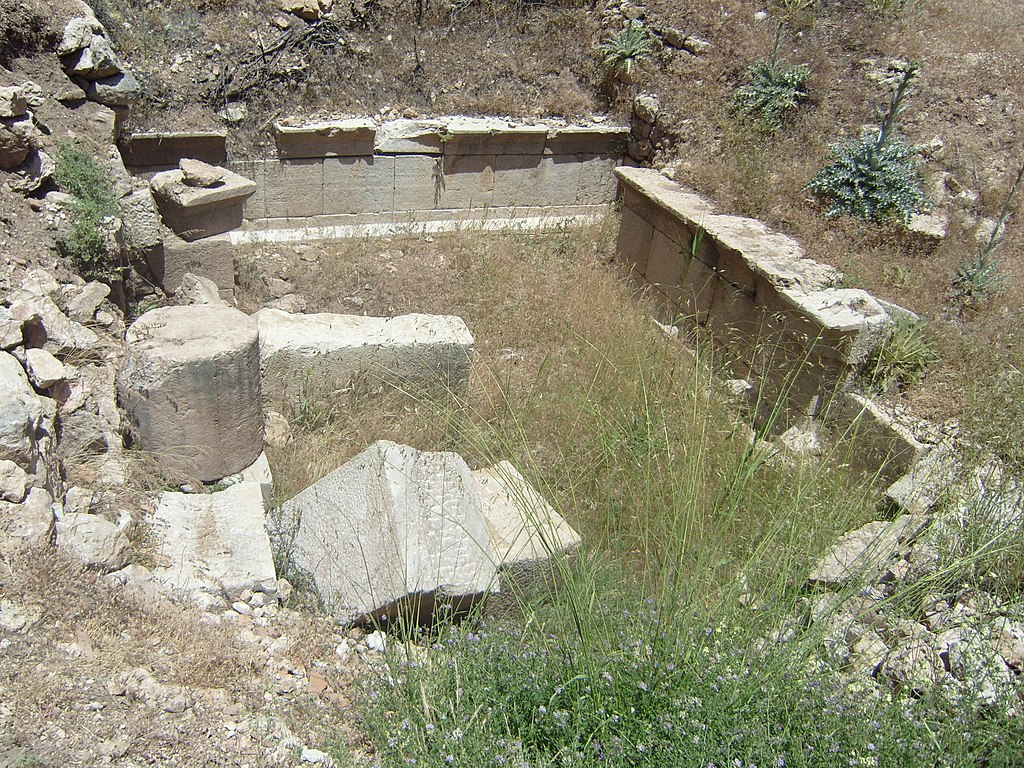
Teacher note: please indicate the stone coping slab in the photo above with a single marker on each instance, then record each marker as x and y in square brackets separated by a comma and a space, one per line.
[776, 257]
[337, 138]
[170, 189]
[166, 149]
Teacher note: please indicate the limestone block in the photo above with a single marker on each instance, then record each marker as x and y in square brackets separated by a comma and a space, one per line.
[533, 180]
[31, 522]
[528, 536]
[863, 553]
[214, 541]
[196, 212]
[44, 370]
[190, 386]
[141, 218]
[394, 530]
[78, 34]
[417, 185]
[634, 243]
[410, 137]
[117, 90]
[93, 540]
[167, 149]
[874, 442]
[339, 138]
[212, 258]
[328, 351]
[14, 482]
[94, 61]
[358, 185]
[46, 326]
[12, 102]
[25, 418]
[83, 305]
[587, 140]
[257, 472]
[489, 136]
[294, 188]
[466, 181]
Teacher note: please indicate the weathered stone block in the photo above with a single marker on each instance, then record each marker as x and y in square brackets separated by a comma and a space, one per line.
[417, 137]
[634, 243]
[167, 149]
[340, 138]
[214, 542]
[197, 212]
[392, 532]
[190, 386]
[418, 183]
[488, 136]
[466, 181]
[211, 257]
[294, 188]
[597, 184]
[358, 185]
[329, 351]
[530, 539]
[870, 440]
[533, 180]
[587, 140]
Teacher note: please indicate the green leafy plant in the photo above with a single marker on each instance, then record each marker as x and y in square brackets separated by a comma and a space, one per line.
[774, 89]
[875, 177]
[902, 357]
[625, 50]
[91, 241]
[977, 277]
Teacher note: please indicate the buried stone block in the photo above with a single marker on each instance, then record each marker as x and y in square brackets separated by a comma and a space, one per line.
[330, 351]
[190, 385]
[214, 542]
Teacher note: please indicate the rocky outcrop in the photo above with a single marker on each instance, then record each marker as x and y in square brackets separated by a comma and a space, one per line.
[89, 58]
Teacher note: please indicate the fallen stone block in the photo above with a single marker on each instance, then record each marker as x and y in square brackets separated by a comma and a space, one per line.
[30, 523]
[394, 531]
[190, 386]
[257, 472]
[211, 258]
[531, 540]
[213, 542]
[862, 554]
[340, 138]
[328, 351]
[26, 420]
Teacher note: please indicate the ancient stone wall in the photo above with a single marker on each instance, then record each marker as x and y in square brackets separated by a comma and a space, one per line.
[775, 314]
[357, 171]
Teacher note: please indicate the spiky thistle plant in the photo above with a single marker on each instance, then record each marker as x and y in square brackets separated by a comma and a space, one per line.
[875, 177]
[625, 50]
[774, 88]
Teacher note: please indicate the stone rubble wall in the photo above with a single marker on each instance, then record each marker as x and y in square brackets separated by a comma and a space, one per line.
[359, 171]
[775, 313]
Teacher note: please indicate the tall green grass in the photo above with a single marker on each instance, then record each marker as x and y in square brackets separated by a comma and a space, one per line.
[680, 635]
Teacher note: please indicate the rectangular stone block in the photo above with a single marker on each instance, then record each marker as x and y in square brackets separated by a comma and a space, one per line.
[416, 137]
[166, 149]
[472, 136]
[598, 184]
[634, 244]
[466, 181]
[587, 140]
[329, 351]
[212, 257]
[337, 138]
[358, 185]
[533, 180]
[255, 207]
[294, 188]
[417, 184]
